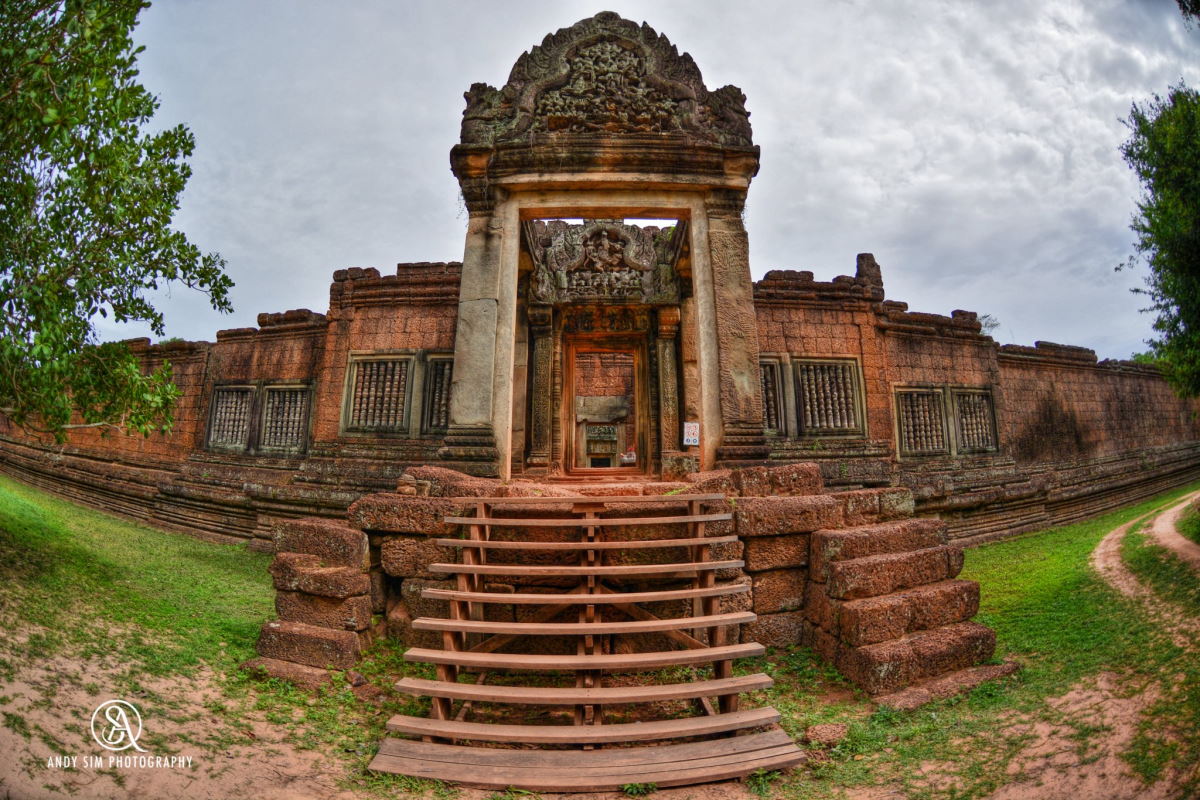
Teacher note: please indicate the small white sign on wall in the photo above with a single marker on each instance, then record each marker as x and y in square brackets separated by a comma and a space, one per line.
[691, 433]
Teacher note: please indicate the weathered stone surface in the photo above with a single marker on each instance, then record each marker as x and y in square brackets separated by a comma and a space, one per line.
[958, 682]
[877, 619]
[864, 506]
[396, 513]
[441, 482]
[775, 630]
[351, 614]
[772, 516]
[379, 590]
[309, 644]
[873, 540]
[876, 575]
[340, 582]
[776, 552]
[410, 556]
[715, 481]
[781, 481]
[336, 545]
[778, 590]
[311, 678]
[890, 665]
[286, 569]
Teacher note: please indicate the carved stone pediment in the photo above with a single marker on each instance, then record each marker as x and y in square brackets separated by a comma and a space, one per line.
[603, 261]
[605, 75]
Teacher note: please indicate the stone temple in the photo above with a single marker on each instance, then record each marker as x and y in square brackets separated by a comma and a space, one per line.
[602, 336]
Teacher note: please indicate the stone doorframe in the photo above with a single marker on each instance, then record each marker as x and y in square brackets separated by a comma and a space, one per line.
[723, 394]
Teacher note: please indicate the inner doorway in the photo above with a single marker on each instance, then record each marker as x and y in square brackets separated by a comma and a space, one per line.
[607, 432]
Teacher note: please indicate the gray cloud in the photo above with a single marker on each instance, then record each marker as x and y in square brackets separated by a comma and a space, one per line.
[971, 147]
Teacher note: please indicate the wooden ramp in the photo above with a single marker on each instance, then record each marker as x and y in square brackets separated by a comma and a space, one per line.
[616, 635]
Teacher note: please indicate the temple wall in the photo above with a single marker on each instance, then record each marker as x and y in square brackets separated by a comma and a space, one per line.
[1014, 438]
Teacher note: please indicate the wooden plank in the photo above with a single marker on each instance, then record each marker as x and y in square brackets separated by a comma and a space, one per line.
[520, 598]
[603, 499]
[602, 695]
[575, 760]
[576, 522]
[682, 568]
[579, 734]
[580, 628]
[618, 661]
[533, 781]
[638, 544]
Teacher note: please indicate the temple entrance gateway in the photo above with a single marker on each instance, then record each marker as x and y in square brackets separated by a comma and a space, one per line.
[601, 301]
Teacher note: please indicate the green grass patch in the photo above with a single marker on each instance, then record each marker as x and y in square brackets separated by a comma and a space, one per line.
[1168, 735]
[1189, 523]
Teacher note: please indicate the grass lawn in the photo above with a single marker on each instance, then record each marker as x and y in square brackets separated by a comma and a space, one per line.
[171, 605]
[1189, 523]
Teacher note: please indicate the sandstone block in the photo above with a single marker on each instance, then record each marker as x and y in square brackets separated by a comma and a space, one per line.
[410, 556]
[864, 506]
[309, 644]
[878, 619]
[778, 590]
[734, 603]
[442, 482]
[336, 545]
[379, 590]
[340, 582]
[819, 609]
[397, 513]
[776, 552]
[399, 627]
[775, 630]
[782, 481]
[286, 568]
[305, 677]
[877, 575]
[713, 481]
[351, 614]
[873, 540]
[889, 666]
[772, 516]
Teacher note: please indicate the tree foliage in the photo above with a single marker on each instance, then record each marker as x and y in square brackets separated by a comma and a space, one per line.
[1164, 150]
[86, 201]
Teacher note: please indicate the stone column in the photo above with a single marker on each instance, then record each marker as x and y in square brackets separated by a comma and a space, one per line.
[740, 388]
[541, 332]
[470, 443]
[668, 395]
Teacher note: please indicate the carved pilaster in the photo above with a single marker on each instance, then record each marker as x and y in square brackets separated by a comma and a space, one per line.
[743, 439]
[541, 332]
[668, 379]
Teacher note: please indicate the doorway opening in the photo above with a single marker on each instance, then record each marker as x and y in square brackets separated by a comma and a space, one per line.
[607, 406]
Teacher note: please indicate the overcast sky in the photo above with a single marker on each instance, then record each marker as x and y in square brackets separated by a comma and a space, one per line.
[972, 147]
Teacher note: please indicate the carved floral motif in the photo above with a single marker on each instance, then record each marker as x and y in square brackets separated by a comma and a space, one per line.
[605, 74]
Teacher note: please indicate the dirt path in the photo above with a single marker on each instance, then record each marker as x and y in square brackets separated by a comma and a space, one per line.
[1106, 560]
[1164, 530]
[1049, 767]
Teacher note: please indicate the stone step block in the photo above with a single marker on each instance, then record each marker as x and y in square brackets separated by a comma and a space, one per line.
[350, 614]
[311, 645]
[772, 516]
[784, 629]
[788, 480]
[778, 590]
[871, 540]
[864, 506]
[335, 544]
[286, 568]
[777, 552]
[948, 685]
[878, 619]
[892, 572]
[397, 513]
[893, 665]
[339, 582]
[305, 677]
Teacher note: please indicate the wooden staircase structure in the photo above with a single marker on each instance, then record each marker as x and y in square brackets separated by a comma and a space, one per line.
[595, 564]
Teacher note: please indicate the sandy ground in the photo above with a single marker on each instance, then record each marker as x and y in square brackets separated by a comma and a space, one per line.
[1163, 531]
[56, 699]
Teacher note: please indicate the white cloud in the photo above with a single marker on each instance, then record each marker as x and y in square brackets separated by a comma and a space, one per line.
[970, 146]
